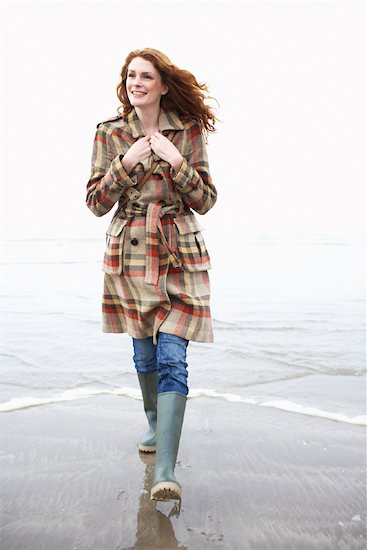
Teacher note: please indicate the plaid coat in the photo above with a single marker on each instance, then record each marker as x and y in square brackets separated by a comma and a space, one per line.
[155, 260]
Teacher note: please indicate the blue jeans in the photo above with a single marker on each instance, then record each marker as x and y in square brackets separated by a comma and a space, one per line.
[168, 358]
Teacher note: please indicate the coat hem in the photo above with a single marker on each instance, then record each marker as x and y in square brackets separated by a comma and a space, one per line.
[203, 340]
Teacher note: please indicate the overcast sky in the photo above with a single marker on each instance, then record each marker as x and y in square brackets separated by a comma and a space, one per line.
[288, 157]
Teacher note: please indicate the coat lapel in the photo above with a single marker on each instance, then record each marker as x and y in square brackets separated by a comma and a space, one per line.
[168, 120]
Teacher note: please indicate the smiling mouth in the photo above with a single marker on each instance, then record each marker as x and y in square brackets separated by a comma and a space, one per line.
[137, 93]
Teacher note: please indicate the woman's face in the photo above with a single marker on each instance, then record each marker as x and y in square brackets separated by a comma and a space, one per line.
[144, 85]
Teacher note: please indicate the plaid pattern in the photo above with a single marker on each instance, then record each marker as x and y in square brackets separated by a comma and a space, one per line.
[154, 237]
[155, 260]
[179, 305]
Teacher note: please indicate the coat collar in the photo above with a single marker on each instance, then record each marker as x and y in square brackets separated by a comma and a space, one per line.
[168, 120]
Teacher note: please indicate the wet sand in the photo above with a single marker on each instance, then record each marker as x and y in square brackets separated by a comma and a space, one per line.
[253, 479]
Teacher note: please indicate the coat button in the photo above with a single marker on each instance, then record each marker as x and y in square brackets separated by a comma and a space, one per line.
[134, 241]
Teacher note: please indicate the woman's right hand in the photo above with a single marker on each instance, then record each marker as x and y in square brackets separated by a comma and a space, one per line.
[139, 151]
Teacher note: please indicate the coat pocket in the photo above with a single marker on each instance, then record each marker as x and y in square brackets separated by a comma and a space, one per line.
[115, 234]
[191, 246]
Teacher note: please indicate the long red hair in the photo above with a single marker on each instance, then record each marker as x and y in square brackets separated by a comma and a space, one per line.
[185, 95]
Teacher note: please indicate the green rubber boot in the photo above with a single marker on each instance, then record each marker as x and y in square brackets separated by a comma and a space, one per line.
[171, 410]
[149, 387]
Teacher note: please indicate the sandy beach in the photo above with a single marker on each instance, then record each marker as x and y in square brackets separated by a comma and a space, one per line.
[252, 478]
[273, 449]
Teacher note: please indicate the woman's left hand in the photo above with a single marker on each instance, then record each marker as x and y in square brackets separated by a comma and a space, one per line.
[166, 150]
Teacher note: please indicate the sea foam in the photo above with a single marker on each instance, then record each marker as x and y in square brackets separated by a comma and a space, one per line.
[132, 393]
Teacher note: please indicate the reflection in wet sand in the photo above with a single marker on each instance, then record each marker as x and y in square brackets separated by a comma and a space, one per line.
[154, 528]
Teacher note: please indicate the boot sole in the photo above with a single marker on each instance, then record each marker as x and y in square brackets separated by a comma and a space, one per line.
[166, 490]
[147, 448]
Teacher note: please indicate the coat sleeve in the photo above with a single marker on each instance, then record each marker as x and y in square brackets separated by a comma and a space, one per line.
[108, 180]
[193, 179]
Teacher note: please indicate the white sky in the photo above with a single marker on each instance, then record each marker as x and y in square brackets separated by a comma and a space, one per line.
[289, 156]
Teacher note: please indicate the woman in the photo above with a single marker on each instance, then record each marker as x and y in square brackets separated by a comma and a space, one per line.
[156, 285]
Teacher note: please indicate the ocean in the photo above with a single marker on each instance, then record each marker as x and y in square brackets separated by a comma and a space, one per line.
[288, 317]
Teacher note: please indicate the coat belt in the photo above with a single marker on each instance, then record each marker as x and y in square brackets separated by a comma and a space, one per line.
[154, 238]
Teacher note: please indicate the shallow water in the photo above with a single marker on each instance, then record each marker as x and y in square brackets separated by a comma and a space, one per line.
[288, 318]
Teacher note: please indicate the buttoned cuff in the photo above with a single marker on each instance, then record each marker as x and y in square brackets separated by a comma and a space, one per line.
[185, 179]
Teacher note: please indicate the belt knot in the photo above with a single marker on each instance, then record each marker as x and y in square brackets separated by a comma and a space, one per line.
[154, 236]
